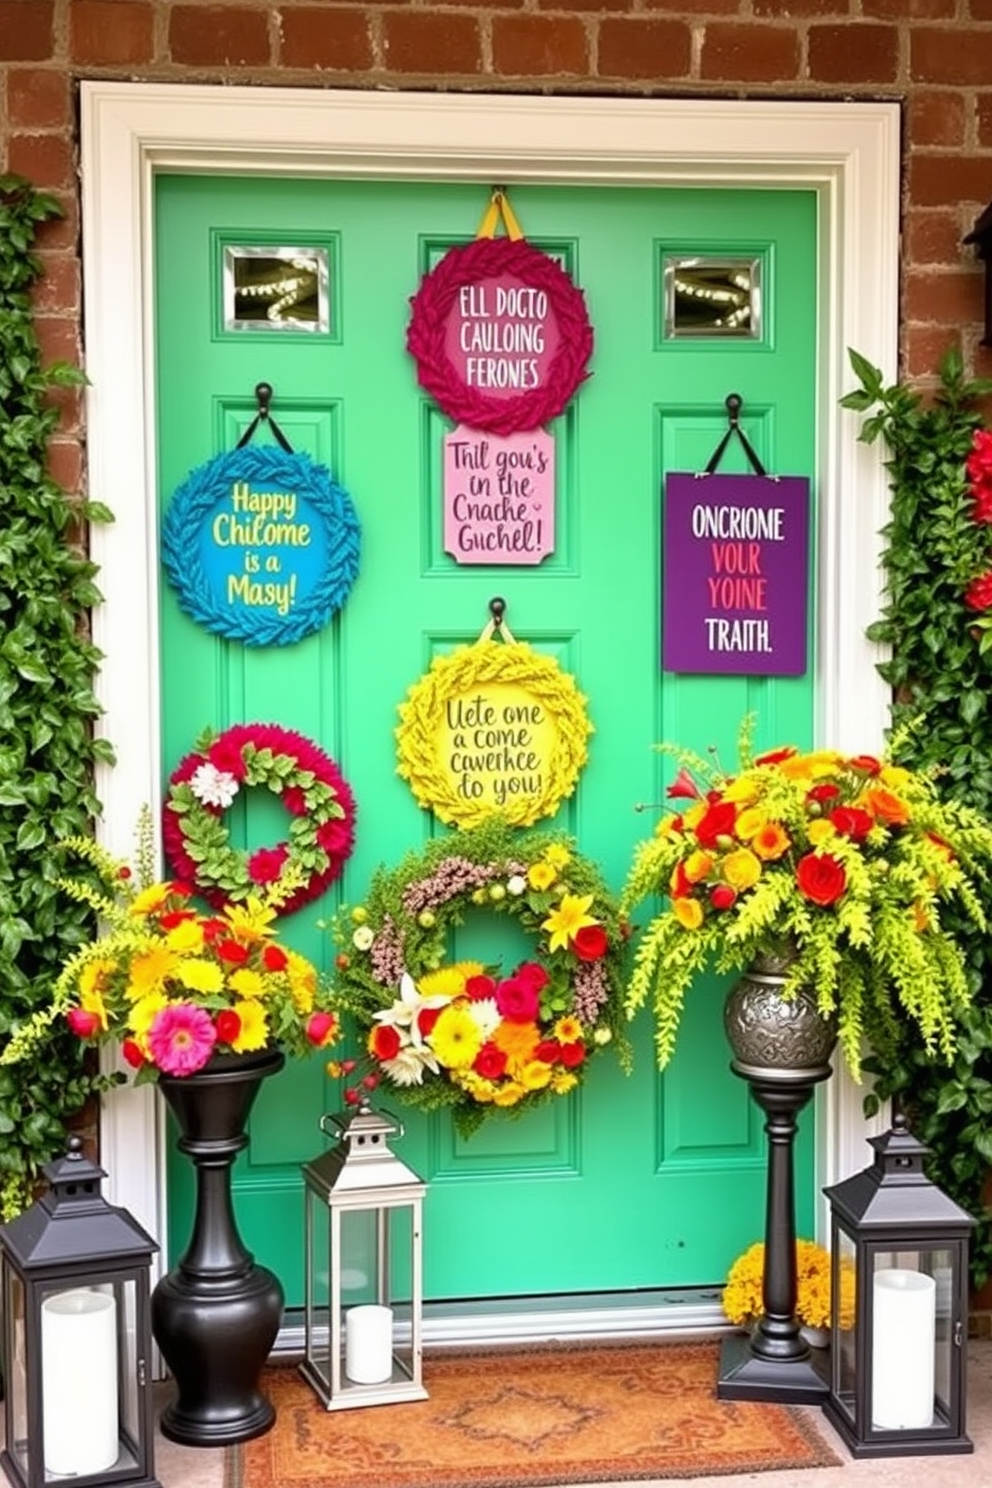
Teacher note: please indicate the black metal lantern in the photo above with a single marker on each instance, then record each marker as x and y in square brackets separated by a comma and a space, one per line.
[899, 1306]
[981, 236]
[74, 1277]
[364, 1269]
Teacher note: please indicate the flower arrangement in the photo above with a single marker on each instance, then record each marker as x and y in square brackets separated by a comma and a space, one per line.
[205, 784]
[173, 986]
[462, 1034]
[742, 1294]
[850, 861]
[978, 470]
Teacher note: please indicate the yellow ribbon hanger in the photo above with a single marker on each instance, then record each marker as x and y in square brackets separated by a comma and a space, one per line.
[499, 208]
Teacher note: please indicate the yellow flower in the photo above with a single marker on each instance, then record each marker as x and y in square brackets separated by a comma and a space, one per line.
[251, 921]
[820, 830]
[94, 974]
[688, 912]
[91, 1001]
[186, 936]
[698, 865]
[449, 981]
[509, 1094]
[542, 874]
[247, 983]
[302, 976]
[562, 1081]
[695, 814]
[142, 1014]
[557, 855]
[669, 826]
[770, 842]
[896, 777]
[151, 969]
[254, 1033]
[742, 790]
[200, 976]
[535, 1075]
[741, 869]
[568, 1030]
[149, 901]
[572, 914]
[456, 1038]
[750, 822]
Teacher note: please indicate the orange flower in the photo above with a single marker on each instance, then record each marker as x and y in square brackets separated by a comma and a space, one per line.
[770, 842]
[517, 1041]
[688, 912]
[697, 866]
[885, 806]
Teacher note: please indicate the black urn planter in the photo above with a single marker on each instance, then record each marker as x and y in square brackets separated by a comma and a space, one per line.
[215, 1316]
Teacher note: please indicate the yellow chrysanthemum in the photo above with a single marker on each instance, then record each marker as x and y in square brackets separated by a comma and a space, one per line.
[449, 981]
[813, 766]
[535, 1075]
[557, 855]
[475, 1086]
[568, 1030]
[743, 790]
[456, 1038]
[302, 977]
[251, 921]
[509, 1094]
[572, 914]
[141, 1015]
[697, 866]
[247, 982]
[184, 937]
[151, 969]
[896, 777]
[542, 874]
[562, 1081]
[200, 976]
[749, 822]
[149, 901]
[254, 1032]
[741, 869]
[770, 842]
[688, 912]
[820, 831]
[94, 975]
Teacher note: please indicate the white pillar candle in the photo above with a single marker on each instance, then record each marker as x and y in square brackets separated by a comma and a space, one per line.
[902, 1360]
[79, 1382]
[368, 1344]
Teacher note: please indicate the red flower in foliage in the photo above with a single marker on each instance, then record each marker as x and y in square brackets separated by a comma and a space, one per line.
[978, 595]
[717, 821]
[821, 878]
[590, 942]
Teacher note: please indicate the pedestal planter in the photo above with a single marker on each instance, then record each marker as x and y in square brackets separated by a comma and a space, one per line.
[216, 1315]
[782, 1047]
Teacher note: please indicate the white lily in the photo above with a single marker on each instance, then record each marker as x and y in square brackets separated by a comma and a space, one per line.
[403, 1012]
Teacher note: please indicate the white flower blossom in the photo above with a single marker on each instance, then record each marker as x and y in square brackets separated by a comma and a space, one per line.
[363, 937]
[212, 786]
[402, 1014]
[516, 884]
[602, 1035]
[485, 1015]
[407, 1068]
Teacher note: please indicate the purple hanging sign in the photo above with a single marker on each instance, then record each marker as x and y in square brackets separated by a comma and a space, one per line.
[736, 574]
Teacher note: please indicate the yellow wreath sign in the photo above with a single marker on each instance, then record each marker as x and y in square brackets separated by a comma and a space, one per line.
[493, 727]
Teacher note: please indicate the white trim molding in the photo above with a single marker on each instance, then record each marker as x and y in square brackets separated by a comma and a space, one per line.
[848, 153]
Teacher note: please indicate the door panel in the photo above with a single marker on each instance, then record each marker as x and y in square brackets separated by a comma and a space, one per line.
[638, 1181]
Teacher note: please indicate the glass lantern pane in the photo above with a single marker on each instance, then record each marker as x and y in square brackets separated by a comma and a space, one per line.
[15, 1372]
[80, 1380]
[363, 1258]
[844, 1358]
[910, 1348]
[130, 1369]
[318, 1283]
[401, 1250]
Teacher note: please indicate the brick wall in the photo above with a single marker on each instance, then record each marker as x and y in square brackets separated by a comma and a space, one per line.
[935, 56]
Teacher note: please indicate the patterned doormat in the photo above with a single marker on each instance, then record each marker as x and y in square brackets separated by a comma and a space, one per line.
[597, 1413]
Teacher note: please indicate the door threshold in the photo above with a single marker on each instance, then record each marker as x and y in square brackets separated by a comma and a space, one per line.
[495, 1321]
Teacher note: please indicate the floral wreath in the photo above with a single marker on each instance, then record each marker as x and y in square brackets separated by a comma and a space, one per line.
[461, 1035]
[312, 789]
[330, 511]
[462, 672]
[433, 303]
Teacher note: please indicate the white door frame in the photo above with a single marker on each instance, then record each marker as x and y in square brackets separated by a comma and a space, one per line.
[847, 152]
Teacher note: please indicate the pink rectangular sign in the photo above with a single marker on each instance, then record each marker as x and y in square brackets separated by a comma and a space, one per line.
[499, 496]
[735, 574]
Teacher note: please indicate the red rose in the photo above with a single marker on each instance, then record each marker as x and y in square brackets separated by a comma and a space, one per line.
[821, 878]
[384, 1042]
[83, 1024]
[532, 975]
[572, 1054]
[547, 1051]
[490, 1062]
[590, 942]
[321, 1029]
[274, 958]
[979, 461]
[426, 1019]
[722, 896]
[981, 510]
[132, 1053]
[865, 764]
[228, 1025]
[174, 917]
[824, 792]
[212, 928]
[478, 988]
[265, 866]
[232, 951]
[517, 1002]
[718, 820]
[851, 821]
[978, 595]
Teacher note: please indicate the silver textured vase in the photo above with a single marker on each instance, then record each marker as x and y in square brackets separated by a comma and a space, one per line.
[773, 1036]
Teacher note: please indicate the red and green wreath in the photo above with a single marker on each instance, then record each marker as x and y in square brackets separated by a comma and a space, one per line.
[317, 799]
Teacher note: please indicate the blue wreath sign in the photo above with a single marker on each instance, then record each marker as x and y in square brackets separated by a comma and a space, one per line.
[261, 545]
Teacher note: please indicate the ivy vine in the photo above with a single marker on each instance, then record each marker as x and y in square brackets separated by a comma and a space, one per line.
[47, 709]
[940, 671]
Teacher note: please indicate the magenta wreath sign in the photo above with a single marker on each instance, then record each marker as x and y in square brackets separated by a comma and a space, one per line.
[500, 335]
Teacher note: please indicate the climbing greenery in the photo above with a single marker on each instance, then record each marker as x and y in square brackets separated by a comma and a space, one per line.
[941, 674]
[47, 708]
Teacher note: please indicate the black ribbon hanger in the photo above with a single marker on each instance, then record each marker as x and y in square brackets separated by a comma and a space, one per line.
[263, 397]
[734, 403]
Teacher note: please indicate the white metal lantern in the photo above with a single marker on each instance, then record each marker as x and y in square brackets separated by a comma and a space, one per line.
[364, 1267]
[899, 1306]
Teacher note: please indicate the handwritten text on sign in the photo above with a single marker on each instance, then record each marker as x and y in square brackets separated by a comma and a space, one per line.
[501, 336]
[262, 549]
[495, 743]
[499, 496]
[735, 577]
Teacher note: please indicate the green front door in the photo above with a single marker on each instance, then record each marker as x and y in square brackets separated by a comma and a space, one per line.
[634, 1182]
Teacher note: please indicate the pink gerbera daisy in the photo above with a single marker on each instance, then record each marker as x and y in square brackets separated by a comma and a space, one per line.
[181, 1039]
